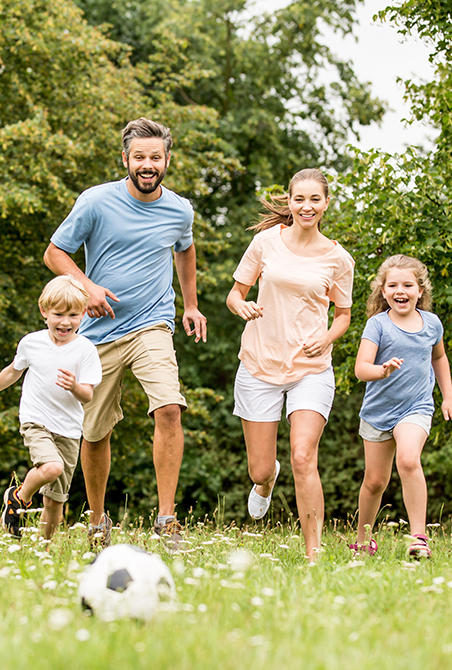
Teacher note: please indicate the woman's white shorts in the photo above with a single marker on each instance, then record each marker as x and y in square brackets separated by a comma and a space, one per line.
[256, 400]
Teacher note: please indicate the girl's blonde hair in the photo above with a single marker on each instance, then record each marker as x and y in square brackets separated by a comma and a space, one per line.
[278, 205]
[64, 292]
[376, 302]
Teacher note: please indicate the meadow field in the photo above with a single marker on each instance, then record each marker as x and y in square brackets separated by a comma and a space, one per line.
[246, 598]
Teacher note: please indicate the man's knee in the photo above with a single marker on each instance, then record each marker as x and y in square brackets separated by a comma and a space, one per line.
[168, 416]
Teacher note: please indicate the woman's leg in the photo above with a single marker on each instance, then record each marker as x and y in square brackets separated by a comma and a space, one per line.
[260, 440]
[410, 440]
[379, 457]
[305, 433]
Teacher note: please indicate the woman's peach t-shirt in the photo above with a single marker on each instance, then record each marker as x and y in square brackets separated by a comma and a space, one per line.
[295, 292]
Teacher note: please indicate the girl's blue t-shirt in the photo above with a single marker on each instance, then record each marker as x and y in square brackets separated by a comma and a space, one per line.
[128, 249]
[408, 390]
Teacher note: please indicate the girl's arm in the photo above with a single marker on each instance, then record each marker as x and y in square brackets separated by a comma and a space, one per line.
[365, 368]
[8, 376]
[441, 367]
[236, 301]
[315, 346]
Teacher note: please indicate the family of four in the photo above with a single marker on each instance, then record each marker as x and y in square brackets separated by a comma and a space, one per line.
[119, 314]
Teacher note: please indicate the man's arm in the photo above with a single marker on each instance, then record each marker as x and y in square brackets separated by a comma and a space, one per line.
[186, 271]
[61, 263]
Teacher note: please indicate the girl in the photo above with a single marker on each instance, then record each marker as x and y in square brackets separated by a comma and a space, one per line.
[286, 345]
[400, 353]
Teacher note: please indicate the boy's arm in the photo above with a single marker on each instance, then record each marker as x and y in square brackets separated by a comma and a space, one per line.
[441, 367]
[81, 392]
[9, 376]
[365, 368]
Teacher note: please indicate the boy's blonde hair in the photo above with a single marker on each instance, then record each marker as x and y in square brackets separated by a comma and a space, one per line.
[376, 303]
[64, 292]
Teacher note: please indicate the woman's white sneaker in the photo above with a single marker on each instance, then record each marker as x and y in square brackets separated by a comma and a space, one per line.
[258, 505]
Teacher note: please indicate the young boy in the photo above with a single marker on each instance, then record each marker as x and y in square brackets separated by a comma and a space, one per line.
[62, 370]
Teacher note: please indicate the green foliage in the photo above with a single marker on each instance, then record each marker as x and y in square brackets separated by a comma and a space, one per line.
[250, 100]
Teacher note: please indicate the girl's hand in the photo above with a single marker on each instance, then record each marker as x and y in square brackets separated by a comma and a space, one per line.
[390, 366]
[66, 379]
[248, 310]
[446, 407]
[316, 347]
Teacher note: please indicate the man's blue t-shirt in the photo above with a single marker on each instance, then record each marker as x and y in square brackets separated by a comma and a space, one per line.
[408, 390]
[128, 250]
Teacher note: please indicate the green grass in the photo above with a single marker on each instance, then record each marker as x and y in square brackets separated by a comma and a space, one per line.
[277, 612]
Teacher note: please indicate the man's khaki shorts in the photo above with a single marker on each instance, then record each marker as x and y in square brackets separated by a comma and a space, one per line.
[47, 447]
[150, 355]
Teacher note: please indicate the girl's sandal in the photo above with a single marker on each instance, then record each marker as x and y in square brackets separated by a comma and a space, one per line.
[419, 548]
[370, 548]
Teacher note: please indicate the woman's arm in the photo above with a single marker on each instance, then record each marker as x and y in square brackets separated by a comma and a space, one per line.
[315, 346]
[236, 301]
[365, 368]
[441, 367]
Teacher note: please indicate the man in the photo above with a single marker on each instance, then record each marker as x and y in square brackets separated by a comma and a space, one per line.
[128, 228]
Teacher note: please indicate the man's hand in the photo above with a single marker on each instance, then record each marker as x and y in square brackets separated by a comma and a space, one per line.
[193, 317]
[98, 305]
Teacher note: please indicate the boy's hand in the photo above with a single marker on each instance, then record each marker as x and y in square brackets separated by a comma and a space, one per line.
[66, 379]
[390, 366]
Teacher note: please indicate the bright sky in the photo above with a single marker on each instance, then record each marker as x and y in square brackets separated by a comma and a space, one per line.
[380, 56]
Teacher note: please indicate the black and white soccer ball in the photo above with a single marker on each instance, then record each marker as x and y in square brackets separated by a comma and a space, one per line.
[125, 582]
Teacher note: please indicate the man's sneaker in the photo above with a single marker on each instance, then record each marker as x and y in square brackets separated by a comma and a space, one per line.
[100, 535]
[12, 518]
[170, 532]
[419, 548]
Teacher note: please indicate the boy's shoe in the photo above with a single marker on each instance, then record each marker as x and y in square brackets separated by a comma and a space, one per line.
[100, 535]
[420, 548]
[370, 548]
[170, 532]
[14, 508]
[258, 505]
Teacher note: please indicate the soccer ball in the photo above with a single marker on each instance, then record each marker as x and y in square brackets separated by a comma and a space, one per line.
[125, 582]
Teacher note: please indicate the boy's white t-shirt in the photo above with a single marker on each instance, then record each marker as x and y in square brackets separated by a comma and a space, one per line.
[44, 402]
[295, 292]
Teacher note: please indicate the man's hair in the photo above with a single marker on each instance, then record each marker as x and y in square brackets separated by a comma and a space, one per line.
[64, 292]
[144, 128]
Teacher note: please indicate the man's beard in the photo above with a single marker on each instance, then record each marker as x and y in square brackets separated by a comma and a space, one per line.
[146, 188]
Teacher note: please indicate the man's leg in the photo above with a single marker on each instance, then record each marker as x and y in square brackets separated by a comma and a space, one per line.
[168, 450]
[95, 458]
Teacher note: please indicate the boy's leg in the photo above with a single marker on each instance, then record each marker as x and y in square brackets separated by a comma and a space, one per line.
[38, 477]
[379, 457]
[410, 439]
[51, 516]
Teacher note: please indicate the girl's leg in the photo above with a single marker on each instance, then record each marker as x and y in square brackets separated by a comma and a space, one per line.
[379, 457]
[37, 477]
[260, 440]
[410, 440]
[51, 516]
[305, 433]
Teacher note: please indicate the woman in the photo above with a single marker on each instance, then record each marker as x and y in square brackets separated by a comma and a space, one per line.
[286, 346]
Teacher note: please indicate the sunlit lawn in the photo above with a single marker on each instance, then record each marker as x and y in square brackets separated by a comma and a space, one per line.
[247, 598]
